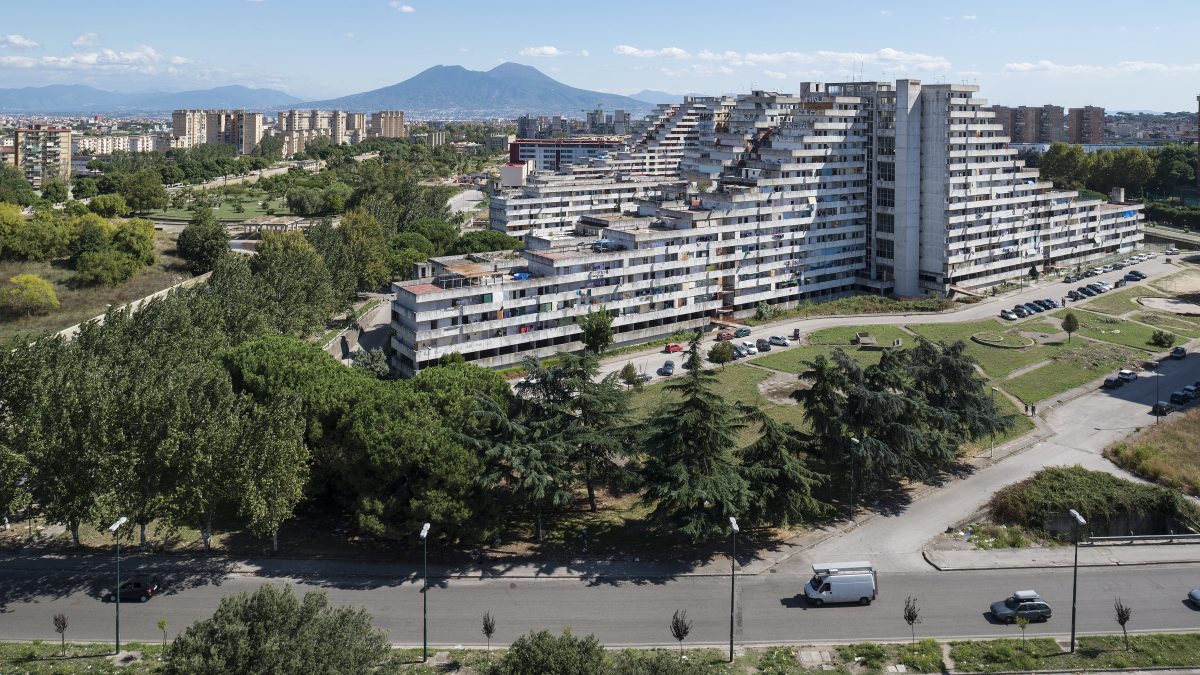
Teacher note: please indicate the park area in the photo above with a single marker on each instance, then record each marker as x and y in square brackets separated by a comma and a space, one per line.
[229, 205]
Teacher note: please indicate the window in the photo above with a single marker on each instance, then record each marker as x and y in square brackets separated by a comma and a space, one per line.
[885, 248]
[887, 196]
[885, 222]
[887, 171]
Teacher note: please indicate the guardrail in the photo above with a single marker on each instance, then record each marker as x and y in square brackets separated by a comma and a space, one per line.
[1143, 539]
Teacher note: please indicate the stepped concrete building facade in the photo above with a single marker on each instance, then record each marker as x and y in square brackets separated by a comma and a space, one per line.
[897, 188]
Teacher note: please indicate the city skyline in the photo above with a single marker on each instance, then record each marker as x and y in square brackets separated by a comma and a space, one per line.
[375, 43]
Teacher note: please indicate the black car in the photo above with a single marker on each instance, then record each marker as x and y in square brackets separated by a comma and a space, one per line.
[139, 587]
[1179, 353]
[1087, 292]
[763, 345]
[1162, 409]
[668, 369]
[1033, 308]
[1180, 397]
[1075, 295]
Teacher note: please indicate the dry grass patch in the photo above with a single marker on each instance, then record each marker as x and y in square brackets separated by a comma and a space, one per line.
[1167, 453]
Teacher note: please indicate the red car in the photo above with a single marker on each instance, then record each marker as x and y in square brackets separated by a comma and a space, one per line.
[672, 348]
[726, 335]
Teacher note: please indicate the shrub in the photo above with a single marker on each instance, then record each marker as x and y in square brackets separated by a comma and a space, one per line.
[109, 205]
[542, 652]
[873, 656]
[108, 268]
[27, 294]
[1161, 338]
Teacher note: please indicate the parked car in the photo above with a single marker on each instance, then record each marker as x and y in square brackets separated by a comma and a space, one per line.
[1118, 266]
[1033, 308]
[1075, 295]
[763, 345]
[1121, 283]
[741, 332]
[1112, 382]
[1136, 273]
[1191, 391]
[644, 377]
[739, 351]
[1008, 314]
[780, 341]
[724, 335]
[1106, 269]
[1095, 288]
[1180, 398]
[751, 350]
[1086, 292]
[671, 348]
[139, 587]
[1026, 604]
[1178, 353]
[1053, 303]
[1194, 596]
[1162, 409]
[1151, 254]
[1127, 375]
[1045, 304]
[668, 369]
[1070, 279]
[1020, 311]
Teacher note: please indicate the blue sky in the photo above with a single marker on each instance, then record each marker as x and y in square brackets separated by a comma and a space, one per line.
[1019, 52]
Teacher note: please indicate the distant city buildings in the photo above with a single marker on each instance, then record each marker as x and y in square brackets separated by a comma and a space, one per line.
[433, 139]
[1085, 125]
[1027, 125]
[896, 188]
[43, 152]
[295, 128]
[388, 124]
[558, 153]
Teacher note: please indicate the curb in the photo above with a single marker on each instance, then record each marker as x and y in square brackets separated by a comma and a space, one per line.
[1036, 566]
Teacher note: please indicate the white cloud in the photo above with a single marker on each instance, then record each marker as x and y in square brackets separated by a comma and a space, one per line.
[545, 50]
[179, 60]
[775, 74]
[348, 35]
[401, 7]
[143, 59]
[969, 17]
[86, 40]
[584, 52]
[888, 58]
[17, 42]
[1123, 67]
[697, 69]
[669, 52]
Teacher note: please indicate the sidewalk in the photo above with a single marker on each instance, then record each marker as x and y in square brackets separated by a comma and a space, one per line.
[1064, 556]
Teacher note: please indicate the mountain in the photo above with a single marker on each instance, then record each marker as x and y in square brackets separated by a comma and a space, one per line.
[507, 90]
[75, 98]
[233, 96]
[654, 97]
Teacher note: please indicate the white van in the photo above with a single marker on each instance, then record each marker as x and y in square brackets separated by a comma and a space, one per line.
[841, 582]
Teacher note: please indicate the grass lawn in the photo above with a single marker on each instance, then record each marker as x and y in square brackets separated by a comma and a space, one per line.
[1070, 367]
[792, 360]
[1166, 453]
[1093, 652]
[738, 382]
[995, 361]
[1112, 329]
[225, 212]
[1180, 325]
[1021, 425]
[43, 657]
[843, 335]
[81, 304]
[1124, 300]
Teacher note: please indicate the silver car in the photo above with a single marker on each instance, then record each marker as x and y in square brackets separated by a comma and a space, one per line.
[1027, 604]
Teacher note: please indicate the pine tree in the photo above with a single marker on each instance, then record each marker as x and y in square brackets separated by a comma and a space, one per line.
[781, 485]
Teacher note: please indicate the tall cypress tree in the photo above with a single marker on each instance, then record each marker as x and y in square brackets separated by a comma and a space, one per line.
[693, 479]
[781, 484]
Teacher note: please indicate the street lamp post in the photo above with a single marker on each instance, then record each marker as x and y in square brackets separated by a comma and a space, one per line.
[1157, 395]
[115, 528]
[853, 463]
[1079, 522]
[732, 578]
[425, 595]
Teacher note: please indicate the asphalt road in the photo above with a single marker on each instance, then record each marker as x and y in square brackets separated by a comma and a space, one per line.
[953, 604]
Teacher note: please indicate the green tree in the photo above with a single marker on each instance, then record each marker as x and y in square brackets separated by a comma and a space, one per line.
[271, 631]
[55, 191]
[1162, 338]
[1065, 165]
[597, 332]
[629, 375]
[542, 652]
[85, 188]
[105, 268]
[367, 249]
[781, 485]
[274, 466]
[693, 480]
[14, 189]
[203, 242]
[373, 361]
[1070, 324]
[721, 353]
[109, 205]
[27, 294]
[300, 286]
[482, 241]
[144, 191]
[1033, 273]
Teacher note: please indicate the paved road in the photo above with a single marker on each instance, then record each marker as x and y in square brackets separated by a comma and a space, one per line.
[629, 613]
[467, 200]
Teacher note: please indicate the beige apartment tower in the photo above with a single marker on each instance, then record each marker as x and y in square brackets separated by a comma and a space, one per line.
[1086, 124]
[388, 124]
[43, 152]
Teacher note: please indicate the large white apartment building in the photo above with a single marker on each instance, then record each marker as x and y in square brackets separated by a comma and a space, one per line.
[555, 202]
[900, 188]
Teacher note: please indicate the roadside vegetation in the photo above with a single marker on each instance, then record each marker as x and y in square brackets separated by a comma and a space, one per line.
[1094, 652]
[1167, 453]
[859, 304]
[1038, 502]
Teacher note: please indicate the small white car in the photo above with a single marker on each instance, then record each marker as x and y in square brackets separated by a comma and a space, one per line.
[1151, 254]
[750, 348]
[780, 341]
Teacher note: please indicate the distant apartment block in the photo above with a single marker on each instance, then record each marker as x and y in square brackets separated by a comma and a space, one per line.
[557, 154]
[107, 145]
[1085, 125]
[42, 152]
[895, 188]
[433, 139]
[499, 142]
[239, 128]
[388, 124]
[190, 125]
[1026, 124]
[555, 202]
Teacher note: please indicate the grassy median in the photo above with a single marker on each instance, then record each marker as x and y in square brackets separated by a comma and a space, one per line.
[1093, 652]
[1167, 453]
